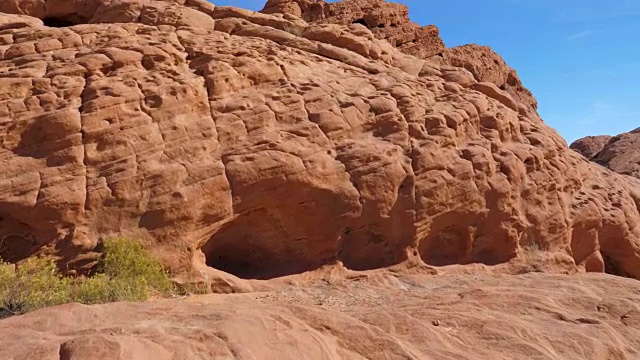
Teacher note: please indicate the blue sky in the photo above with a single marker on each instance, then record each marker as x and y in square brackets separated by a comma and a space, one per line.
[581, 58]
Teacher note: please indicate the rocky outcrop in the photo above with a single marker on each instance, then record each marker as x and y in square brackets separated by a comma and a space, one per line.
[619, 153]
[590, 146]
[263, 146]
[390, 21]
[473, 317]
[487, 66]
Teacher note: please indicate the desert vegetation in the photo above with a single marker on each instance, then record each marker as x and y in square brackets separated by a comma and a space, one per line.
[125, 272]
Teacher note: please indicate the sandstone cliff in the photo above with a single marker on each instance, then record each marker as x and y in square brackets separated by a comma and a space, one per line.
[265, 145]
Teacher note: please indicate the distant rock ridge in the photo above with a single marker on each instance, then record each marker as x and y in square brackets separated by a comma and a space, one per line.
[620, 153]
[590, 146]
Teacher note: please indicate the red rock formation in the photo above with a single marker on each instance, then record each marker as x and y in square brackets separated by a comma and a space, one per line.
[590, 146]
[620, 153]
[390, 21]
[266, 146]
[487, 66]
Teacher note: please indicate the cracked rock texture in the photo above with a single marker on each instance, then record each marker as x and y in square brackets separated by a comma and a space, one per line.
[619, 153]
[263, 145]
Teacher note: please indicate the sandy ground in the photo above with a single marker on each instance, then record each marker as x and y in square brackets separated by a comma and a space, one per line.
[380, 316]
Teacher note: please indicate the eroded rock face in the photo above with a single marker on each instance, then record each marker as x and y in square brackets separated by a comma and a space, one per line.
[619, 153]
[263, 146]
[390, 21]
[486, 65]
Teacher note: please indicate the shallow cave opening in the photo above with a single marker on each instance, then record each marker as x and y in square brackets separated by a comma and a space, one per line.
[371, 247]
[255, 246]
[14, 248]
[611, 267]
[247, 258]
[57, 22]
[444, 247]
[361, 22]
[244, 260]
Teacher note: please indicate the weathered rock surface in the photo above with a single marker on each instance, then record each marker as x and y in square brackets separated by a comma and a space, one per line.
[487, 66]
[390, 21]
[620, 153]
[542, 317]
[386, 20]
[264, 146]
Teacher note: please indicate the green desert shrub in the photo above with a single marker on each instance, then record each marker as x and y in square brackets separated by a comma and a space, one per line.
[126, 272]
[34, 284]
[127, 263]
[100, 289]
[191, 288]
[93, 290]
